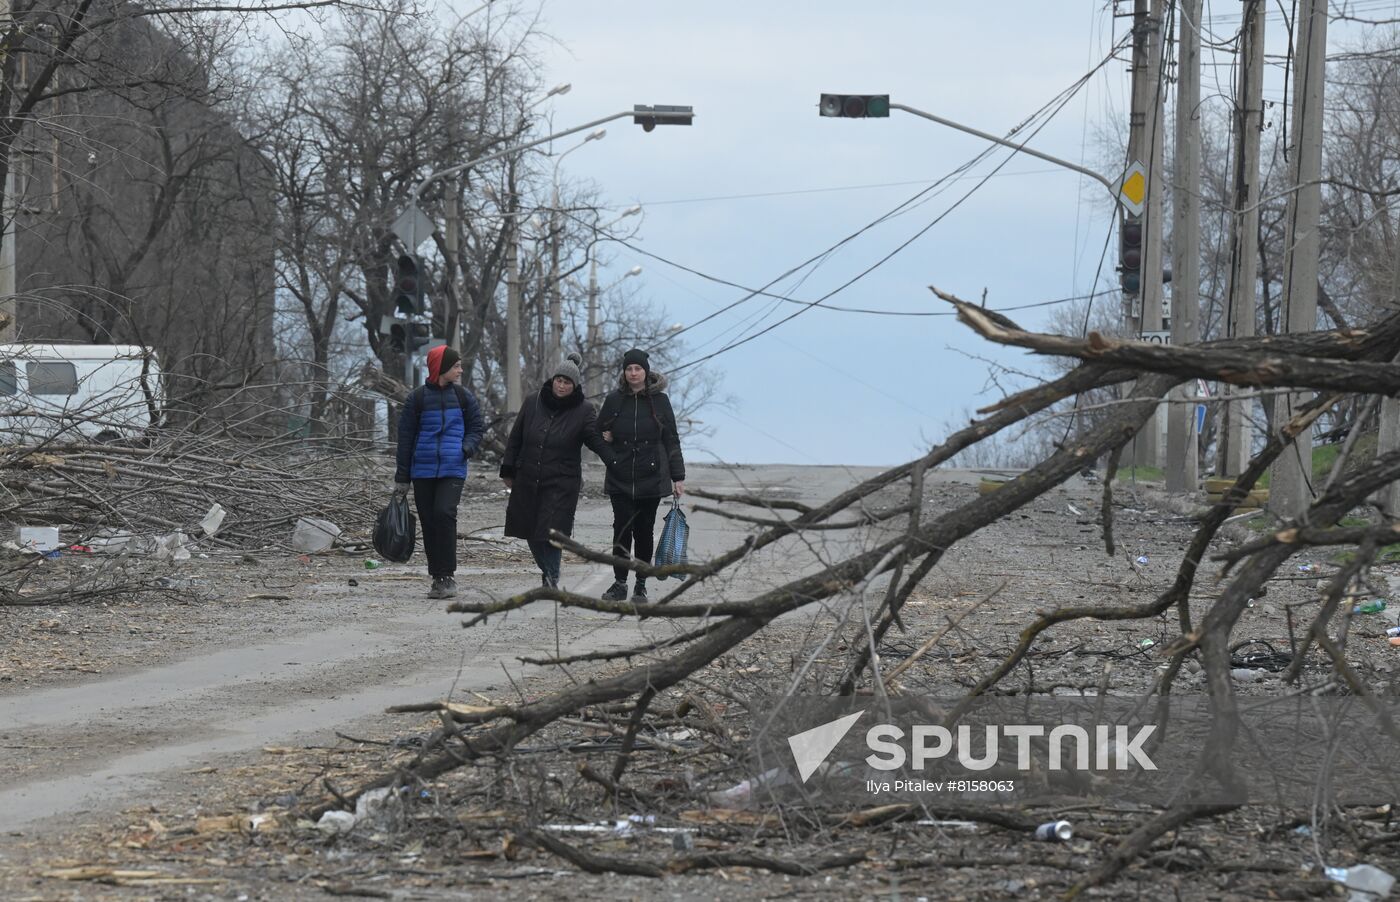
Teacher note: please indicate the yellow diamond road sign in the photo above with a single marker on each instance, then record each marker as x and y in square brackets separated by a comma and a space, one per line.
[1132, 190]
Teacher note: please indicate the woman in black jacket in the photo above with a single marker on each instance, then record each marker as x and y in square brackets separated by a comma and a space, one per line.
[640, 427]
[543, 464]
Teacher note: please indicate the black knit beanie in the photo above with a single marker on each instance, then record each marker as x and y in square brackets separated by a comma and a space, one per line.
[450, 358]
[639, 357]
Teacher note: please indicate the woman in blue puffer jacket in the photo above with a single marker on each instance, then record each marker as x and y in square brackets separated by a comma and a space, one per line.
[440, 429]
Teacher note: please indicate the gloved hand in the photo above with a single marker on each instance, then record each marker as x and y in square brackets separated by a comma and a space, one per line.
[401, 488]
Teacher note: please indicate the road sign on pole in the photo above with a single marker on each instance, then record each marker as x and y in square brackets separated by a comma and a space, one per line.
[1132, 189]
[413, 227]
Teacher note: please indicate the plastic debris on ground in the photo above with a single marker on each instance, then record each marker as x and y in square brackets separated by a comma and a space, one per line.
[1366, 882]
[212, 520]
[311, 535]
[172, 547]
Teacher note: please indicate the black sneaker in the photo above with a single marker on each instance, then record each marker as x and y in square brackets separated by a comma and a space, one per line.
[639, 594]
[617, 591]
[449, 587]
[438, 588]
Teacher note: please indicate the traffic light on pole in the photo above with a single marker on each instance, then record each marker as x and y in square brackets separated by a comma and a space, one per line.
[649, 117]
[856, 106]
[406, 337]
[1130, 255]
[409, 289]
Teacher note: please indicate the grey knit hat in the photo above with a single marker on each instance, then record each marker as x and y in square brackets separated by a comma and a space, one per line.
[569, 368]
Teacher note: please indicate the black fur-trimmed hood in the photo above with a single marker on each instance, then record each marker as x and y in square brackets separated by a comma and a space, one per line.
[656, 383]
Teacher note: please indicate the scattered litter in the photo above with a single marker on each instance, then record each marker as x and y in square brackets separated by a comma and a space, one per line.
[1074, 510]
[42, 539]
[1055, 831]
[683, 841]
[1147, 643]
[213, 519]
[172, 547]
[382, 808]
[372, 564]
[353, 582]
[334, 823]
[1142, 559]
[1245, 675]
[1374, 606]
[742, 793]
[947, 825]
[311, 535]
[1393, 631]
[1366, 882]
[1306, 568]
[1303, 830]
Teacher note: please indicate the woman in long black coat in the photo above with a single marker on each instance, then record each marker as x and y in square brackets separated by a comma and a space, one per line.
[640, 426]
[543, 464]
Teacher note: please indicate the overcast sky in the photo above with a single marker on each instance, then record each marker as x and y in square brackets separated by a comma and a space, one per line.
[761, 183]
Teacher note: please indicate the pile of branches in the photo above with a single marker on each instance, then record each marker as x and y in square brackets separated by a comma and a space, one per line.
[709, 625]
[168, 492]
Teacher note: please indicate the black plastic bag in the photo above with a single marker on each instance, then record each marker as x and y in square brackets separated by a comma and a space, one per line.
[395, 530]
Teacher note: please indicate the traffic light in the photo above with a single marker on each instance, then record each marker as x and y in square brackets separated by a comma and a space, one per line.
[856, 106]
[649, 117]
[406, 337]
[1130, 255]
[409, 289]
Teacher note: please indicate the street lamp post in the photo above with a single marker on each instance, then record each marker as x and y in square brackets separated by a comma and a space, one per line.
[556, 306]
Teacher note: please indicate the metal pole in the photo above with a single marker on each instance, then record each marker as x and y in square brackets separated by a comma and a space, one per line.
[1021, 148]
[1182, 442]
[1290, 491]
[1236, 433]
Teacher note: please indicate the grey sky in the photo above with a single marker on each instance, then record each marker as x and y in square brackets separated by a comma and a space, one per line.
[833, 387]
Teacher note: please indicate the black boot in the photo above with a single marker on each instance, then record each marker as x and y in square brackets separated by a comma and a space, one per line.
[639, 593]
[617, 591]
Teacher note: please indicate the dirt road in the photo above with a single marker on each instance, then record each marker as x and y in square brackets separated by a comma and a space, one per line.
[197, 681]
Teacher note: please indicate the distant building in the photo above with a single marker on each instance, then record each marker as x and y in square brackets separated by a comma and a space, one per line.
[144, 217]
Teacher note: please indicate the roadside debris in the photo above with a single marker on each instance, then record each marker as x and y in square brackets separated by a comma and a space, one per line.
[1055, 831]
[1366, 882]
[312, 534]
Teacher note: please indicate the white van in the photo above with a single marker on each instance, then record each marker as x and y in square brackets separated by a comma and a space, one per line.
[77, 393]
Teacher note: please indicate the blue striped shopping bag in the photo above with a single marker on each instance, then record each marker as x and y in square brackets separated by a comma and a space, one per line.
[675, 534]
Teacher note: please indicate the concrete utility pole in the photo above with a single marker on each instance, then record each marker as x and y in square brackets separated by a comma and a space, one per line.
[514, 397]
[1289, 491]
[1236, 429]
[1145, 144]
[1182, 443]
[452, 241]
[591, 344]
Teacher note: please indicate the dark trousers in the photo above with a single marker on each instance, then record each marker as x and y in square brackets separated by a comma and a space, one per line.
[547, 557]
[436, 500]
[634, 529]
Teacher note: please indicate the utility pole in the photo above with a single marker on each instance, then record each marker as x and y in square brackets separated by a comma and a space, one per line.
[1182, 443]
[452, 319]
[556, 304]
[514, 398]
[592, 350]
[1290, 491]
[1145, 144]
[9, 309]
[1236, 429]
